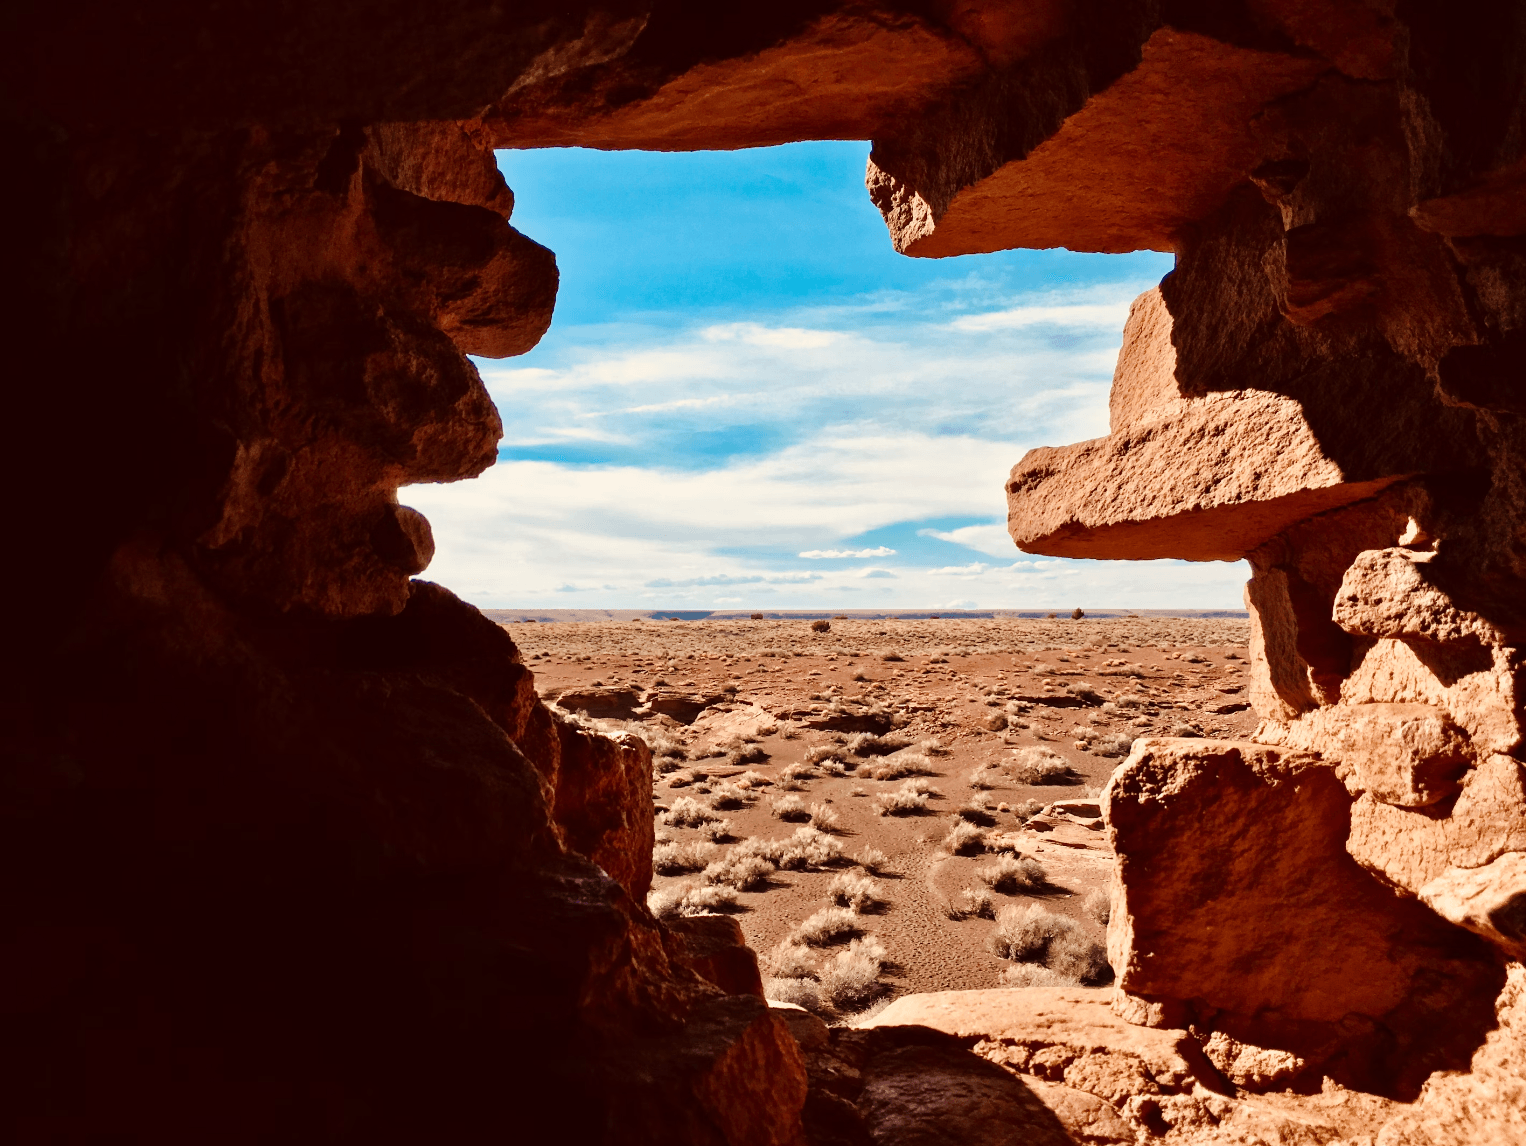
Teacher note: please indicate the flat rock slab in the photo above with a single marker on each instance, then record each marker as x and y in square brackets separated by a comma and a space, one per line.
[1078, 1019]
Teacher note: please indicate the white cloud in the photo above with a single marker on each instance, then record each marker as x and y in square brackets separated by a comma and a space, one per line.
[1107, 315]
[877, 551]
[974, 569]
[992, 539]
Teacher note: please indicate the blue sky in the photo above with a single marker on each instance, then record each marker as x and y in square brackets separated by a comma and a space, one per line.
[747, 398]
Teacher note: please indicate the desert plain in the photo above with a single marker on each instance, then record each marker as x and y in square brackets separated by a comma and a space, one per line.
[875, 802]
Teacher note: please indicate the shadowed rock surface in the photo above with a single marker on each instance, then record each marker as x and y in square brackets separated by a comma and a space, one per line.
[292, 848]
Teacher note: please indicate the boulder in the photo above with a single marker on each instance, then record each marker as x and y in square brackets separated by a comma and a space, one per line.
[1488, 901]
[714, 947]
[1292, 949]
[609, 702]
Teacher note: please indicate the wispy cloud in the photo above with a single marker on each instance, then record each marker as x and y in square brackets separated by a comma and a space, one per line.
[992, 539]
[877, 551]
[1107, 316]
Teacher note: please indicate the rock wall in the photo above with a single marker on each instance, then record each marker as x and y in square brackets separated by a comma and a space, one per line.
[291, 849]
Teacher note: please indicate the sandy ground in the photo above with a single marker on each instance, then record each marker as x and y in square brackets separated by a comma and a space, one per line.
[944, 682]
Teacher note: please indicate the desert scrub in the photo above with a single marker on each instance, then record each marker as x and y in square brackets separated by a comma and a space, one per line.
[868, 744]
[827, 926]
[787, 960]
[798, 992]
[985, 778]
[875, 862]
[823, 818]
[1112, 745]
[974, 814]
[855, 892]
[677, 858]
[1023, 934]
[727, 797]
[749, 780]
[1039, 766]
[909, 799]
[964, 839]
[933, 748]
[742, 871]
[688, 812]
[746, 754]
[790, 808]
[1097, 905]
[895, 767]
[972, 903]
[805, 850]
[1012, 874]
[815, 755]
[716, 831]
[851, 977]
[1032, 975]
[688, 900]
[1034, 935]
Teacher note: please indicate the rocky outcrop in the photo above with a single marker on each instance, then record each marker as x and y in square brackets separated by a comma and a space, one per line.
[292, 849]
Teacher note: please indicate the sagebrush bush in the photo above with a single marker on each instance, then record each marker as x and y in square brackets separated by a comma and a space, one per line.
[823, 818]
[677, 858]
[789, 808]
[1012, 874]
[1077, 956]
[716, 831]
[743, 872]
[690, 900]
[1023, 934]
[813, 755]
[727, 797]
[855, 892]
[868, 744]
[985, 778]
[801, 992]
[827, 926]
[934, 748]
[1039, 766]
[1097, 905]
[972, 903]
[1113, 745]
[875, 861]
[964, 839]
[974, 814]
[786, 960]
[1032, 975]
[749, 780]
[907, 800]
[851, 977]
[688, 812]
[907, 764]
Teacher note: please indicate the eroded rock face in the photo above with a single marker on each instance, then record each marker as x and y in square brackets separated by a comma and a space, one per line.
[294, 851]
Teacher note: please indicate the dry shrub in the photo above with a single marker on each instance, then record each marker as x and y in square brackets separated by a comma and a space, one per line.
[727, 797]
[985, 778]
[1039, 766]
[687, 812]
[974, 814]
[934, 748]
[1032, 975]
[806, 849]
[749, 780]
[677, 858]
[1011, 875]
[739, 870]
[868, 744]
[1078, 956]
[688, 900]
[813, 755]
[1113, 745]
[823, 818]
[851, 977]
[788, 731]
[821, 627]
[716, 831]
[746, 754]
[855, 892]
[828, 926]
[1084, 692]
[964, 839]
[790, 808]
[895, 767]
[788, 960]
[1097, 905]
[1027, 810]
[972, 904]
[907, 800]
[1023, 934]
[875, 861]
[800, 992]
[1034, 935]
